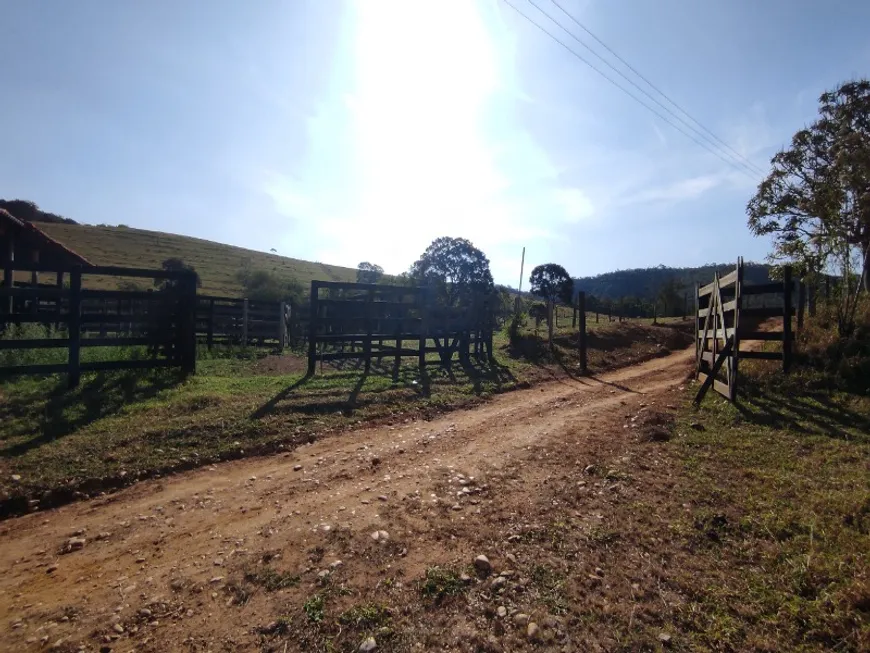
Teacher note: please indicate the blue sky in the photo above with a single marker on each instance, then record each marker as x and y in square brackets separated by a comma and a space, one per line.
[361, 130]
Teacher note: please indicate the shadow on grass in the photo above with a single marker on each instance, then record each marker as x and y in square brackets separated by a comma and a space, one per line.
[815, 413]
[64, 411]
[342, 392]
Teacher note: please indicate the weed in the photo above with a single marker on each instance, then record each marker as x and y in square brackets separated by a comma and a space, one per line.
[365, 616]
[441, 582]
[315, 608]
[271, 580]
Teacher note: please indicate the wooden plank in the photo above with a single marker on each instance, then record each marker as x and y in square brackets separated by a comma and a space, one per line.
[125, 294]
[18, 370]
[581, 310]
[727, 307]
[350, 285]
[148, 364]
[722, 334]
[124, 342]
[312, 329]
[34, 343]
[710, 378]
[31, 293]
[762, 355]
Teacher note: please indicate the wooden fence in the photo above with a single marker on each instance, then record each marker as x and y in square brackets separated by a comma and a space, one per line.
[730, 313]
[230, 320]
[365, 321]
[162, 321]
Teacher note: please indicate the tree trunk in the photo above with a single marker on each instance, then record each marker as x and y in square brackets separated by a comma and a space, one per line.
[865, 275]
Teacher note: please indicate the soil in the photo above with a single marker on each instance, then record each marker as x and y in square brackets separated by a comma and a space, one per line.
[239, 556]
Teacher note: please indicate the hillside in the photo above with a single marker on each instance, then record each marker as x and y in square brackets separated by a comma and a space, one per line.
[216, 263]
[646, 283]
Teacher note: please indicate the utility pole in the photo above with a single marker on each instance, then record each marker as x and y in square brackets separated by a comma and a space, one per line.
[522, 265]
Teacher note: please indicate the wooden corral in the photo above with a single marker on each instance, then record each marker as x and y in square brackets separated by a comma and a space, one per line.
[230, 320]
[161, 321]
[366, 321]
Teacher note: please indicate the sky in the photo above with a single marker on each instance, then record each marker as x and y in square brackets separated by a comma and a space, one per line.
[343, 131]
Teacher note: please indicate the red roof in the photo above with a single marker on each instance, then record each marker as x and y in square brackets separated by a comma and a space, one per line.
[43, 240]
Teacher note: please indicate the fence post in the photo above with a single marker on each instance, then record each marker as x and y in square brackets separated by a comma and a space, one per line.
[655, 312]
[367, 344]
[735, 354]
[75, 331]
[786, 319]
[210, 334]
[424, 329]
[312, 328]
[696, 327]
[188, 331]
[245, 322]
[802, 302]
[9, 272]
[282, 325]
[581, 310]
[574, 321]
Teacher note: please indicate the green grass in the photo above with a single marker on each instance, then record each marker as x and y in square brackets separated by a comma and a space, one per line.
[780, 529]
[120, 426]
[216, 263]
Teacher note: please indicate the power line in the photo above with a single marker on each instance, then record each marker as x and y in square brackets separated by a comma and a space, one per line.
[626, 91]
[754, 167]
[736, 157]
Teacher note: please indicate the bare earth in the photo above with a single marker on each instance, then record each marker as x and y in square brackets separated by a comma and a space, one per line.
[163, 563]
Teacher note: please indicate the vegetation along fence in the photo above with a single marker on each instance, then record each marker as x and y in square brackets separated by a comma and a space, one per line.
[230, 320]
[155, 328]
[731, 314]
[365, 321]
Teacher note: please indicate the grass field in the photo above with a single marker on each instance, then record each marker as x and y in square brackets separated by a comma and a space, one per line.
[216, 263]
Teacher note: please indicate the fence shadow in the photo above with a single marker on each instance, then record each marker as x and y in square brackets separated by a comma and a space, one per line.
[343, 392]
[66, 411]
[814, 413]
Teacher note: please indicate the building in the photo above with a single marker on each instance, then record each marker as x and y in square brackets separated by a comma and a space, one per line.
[24, 243]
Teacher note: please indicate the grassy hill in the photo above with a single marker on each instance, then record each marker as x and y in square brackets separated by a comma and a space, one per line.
[217, 264]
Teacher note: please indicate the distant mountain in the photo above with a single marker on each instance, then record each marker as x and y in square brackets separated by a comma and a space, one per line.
[641, 287]
[26, 210]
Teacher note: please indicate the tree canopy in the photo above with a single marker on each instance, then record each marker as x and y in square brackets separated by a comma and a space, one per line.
[816, 200]
[369, 272]
[455, 268]
[552, 282]
[29, 211]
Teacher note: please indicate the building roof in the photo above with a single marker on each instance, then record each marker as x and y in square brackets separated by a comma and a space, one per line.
[41, 240]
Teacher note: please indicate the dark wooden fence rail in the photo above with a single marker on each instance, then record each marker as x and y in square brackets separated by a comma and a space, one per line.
[162, 321]
[366, 321]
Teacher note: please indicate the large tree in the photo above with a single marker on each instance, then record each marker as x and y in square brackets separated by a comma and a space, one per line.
[368, 272]
[816, 200]
[553, 283]
[456, 269]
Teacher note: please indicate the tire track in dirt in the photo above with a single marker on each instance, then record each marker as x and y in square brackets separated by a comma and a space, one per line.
[143, 543]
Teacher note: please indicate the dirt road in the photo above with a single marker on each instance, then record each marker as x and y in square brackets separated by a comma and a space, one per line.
[225, 557]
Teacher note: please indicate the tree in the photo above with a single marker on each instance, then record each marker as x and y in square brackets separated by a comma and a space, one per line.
[174, 264]
[368, 272]
[456, 269]
[816, 200]
[553, 283]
